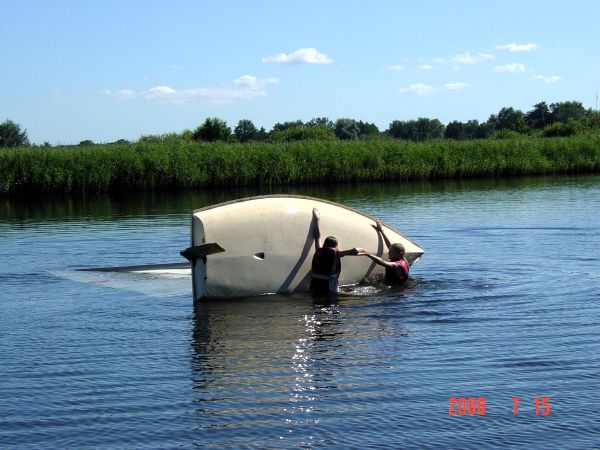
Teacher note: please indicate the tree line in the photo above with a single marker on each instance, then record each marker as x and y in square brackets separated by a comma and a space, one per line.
[547, 120]
[557, 119]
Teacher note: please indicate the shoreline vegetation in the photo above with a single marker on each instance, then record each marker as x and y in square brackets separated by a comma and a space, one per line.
[174, 163]
[560, 138]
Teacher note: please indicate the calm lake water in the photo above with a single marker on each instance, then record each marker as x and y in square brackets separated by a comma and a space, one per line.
[505, 303]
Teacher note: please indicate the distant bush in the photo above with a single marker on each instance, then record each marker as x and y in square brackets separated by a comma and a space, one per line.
[150, 139]
[559, 129]
[591, 122]
[303, 133]
[506, 134]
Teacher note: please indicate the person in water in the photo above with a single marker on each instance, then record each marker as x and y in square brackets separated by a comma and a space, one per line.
[397, 268]
[326, 265]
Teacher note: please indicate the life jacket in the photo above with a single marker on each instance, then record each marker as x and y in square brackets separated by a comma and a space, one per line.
[326, 268]
[392, 277]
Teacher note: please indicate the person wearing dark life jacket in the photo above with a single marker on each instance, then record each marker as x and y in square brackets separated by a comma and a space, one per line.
[326, 265]
[397, 268]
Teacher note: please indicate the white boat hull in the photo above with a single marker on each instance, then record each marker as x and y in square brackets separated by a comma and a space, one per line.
[269, 245]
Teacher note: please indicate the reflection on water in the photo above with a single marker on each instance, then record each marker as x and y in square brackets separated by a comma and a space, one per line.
[312, 374]
[279, 365]
[161, 204]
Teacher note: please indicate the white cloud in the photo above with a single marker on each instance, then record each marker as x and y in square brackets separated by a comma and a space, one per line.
[458, 60]
[123, 94]
[485, 56]
[251, 82]
[517, 47]
[246, 87]
[469, 58]
[455, 86]
[159, 91]
[552, 79]
[300, 56]
[419, 89]
[397, 67]
[464, 58]
[425, 89]
[510, 68]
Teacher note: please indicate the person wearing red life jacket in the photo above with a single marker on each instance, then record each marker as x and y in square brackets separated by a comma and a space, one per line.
[326, 265]
[397, 268]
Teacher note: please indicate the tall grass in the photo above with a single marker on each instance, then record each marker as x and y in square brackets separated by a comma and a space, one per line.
[181, 164]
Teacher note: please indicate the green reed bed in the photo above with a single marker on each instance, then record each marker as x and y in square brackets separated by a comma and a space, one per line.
[181, 164]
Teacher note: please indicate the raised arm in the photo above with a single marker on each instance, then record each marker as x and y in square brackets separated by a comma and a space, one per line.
[316, 230]
[379, 227]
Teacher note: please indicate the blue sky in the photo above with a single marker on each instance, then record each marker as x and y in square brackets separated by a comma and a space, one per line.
[106, 70]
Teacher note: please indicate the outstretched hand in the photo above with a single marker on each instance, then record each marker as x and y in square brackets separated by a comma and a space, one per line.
[377, 226]
[316, 214]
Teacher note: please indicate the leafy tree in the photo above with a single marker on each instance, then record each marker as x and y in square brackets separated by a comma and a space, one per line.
[416, 130]
[539, 116]
[245, 131]
[511, 119]
[471, 129]
[213, 129]
[347, 129]
[401, 129]
[11, 135]
[262, 135]
[563, 111]
[429, 129]
[86, 143]
[463, 130]
[455, 130]
[366, 129]
[484, 130]
[285, 125]
[321, 122]
[492, 122]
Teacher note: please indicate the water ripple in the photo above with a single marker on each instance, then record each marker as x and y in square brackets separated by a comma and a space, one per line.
[504, 304]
